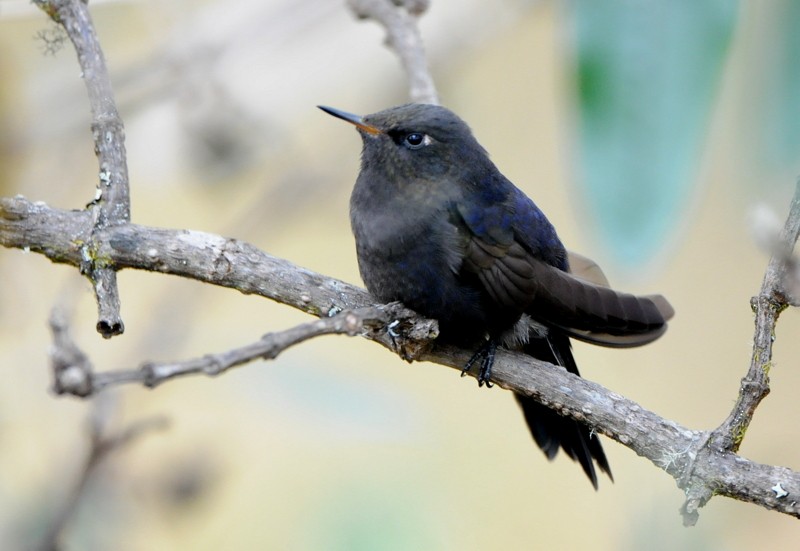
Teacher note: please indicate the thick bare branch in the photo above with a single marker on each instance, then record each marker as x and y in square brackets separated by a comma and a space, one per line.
[231, 263]
[666, 444]
[399, 18]
[206, 257]
[111, 203]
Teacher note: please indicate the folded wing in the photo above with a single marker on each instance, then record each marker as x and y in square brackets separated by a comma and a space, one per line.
[580, 304]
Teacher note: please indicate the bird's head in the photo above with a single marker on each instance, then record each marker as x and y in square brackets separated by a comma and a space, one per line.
[415, 141]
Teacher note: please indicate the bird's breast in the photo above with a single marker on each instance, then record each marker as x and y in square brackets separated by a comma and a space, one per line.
[411, 249]
[420, 266]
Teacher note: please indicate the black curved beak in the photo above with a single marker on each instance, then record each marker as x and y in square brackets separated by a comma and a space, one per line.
[352, 119]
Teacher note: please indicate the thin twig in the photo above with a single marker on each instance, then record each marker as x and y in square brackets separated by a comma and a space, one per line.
[111, 203]
[72, 370]
[767, 306]
[399, 18]
[372, 322]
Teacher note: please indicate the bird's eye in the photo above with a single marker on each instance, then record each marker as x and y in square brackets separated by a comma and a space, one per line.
[415, 140]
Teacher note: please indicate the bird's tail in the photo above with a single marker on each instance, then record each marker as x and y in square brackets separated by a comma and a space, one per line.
[552, 431]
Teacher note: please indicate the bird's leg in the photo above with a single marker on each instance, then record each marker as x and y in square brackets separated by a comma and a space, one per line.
[393, 334]
[485, 354]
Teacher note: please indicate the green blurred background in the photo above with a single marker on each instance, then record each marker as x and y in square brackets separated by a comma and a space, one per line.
[649, 132]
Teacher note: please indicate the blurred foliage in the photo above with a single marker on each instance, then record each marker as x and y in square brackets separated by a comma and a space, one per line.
[778, 115]
[647, 74]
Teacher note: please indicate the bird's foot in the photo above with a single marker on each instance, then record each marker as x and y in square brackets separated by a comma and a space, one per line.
[393, 334]
[485, 354]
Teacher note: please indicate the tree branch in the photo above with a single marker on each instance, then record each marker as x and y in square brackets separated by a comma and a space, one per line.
[111, 203]
[399, 18]
[101, 240]
[232, 263]
[101, 444]
[767, 306]
[383, 324]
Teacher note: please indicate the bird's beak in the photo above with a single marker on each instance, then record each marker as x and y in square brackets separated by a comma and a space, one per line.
[352, 119]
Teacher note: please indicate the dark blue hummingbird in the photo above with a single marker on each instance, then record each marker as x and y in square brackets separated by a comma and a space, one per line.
[439, 228]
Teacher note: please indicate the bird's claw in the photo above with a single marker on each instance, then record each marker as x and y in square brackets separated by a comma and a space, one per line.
[391, 329]
[485, 354]
[393, 334]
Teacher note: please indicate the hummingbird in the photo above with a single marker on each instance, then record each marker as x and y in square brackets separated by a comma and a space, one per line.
[439, 228]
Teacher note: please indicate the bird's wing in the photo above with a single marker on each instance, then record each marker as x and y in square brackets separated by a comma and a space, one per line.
[586, 269]
[519, 277]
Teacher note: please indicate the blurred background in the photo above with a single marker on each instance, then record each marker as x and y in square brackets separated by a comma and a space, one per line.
[662, 139]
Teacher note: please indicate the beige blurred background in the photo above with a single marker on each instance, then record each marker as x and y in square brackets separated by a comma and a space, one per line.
[338, 445]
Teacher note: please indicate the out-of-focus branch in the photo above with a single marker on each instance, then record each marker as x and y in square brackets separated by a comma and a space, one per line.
[101, 443]
[399, 18]
[111, 203]
[72, 370]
